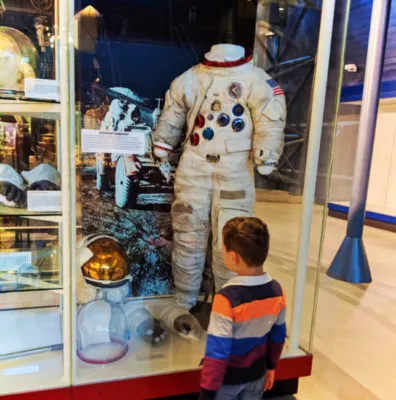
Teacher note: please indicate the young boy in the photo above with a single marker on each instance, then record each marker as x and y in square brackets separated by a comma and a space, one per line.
[247, 327]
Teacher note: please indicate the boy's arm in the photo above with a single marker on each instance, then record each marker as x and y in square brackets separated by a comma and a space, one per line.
[276, 341]
[218, 348]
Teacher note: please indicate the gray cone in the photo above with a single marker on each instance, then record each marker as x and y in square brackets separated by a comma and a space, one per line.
[350, 263]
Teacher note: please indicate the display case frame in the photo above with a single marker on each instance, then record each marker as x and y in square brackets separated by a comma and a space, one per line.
[48, 366]
[152, 382]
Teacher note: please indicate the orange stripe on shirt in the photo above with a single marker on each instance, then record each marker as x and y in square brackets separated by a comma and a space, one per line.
[222, 306]
[258, 308]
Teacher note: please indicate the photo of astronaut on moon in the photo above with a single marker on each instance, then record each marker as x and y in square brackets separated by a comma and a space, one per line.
[128, 195]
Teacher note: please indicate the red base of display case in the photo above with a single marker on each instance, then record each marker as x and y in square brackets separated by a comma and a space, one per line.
[154, 387]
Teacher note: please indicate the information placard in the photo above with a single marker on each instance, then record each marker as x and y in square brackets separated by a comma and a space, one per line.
[44, 200]
[97, 141]
[42, 89]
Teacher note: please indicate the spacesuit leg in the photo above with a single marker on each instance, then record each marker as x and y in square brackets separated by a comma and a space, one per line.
[233, 196]
[191, 227]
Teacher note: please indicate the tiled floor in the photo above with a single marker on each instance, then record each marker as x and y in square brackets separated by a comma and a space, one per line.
[355, 334]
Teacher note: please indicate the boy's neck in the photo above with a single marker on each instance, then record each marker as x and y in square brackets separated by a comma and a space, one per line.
[251, 271]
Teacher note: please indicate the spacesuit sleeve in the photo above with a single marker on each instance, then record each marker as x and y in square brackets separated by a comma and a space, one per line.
[268, 110]
[173, 116]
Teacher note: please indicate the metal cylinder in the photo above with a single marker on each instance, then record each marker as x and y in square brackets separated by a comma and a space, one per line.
[351, 263]
[368, 116]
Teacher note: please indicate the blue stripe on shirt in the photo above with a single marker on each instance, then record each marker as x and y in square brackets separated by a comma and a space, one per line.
[278, 333]
[221, 348]
[218, 347]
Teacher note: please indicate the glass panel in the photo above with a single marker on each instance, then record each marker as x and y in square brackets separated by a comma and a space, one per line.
[28, 50]
[31, 286]
[121, 87]
[286, 41]
[30, 254]
[30, 165]
[330, 129]
[125, 238]
[31, 229]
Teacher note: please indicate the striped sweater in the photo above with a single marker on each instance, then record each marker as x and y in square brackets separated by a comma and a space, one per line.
[246, 333]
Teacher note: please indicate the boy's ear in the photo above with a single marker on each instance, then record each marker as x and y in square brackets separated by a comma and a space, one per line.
[235, 257]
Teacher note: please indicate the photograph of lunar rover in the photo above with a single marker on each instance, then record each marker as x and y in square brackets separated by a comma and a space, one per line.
[132, 179]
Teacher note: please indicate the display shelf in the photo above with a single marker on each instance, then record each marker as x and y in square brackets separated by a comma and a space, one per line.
[175, 356]
[28, 285]
[23, 212]
[29, 299]
[30, 109]
[37, 328]
[142, 360]
[40, 371]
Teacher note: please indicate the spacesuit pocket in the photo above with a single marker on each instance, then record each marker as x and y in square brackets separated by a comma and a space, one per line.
[185, 219]
[274, 110]
[224, 215]
[237, 145]
[232, 194]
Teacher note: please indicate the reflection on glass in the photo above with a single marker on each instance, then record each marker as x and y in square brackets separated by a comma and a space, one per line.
[286, 41]
[29, 253]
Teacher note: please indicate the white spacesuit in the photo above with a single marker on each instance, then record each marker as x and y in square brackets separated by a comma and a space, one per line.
[235, 113]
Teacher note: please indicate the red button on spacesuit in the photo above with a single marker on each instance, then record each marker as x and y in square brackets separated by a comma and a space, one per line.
[200, 121]
[194, 139]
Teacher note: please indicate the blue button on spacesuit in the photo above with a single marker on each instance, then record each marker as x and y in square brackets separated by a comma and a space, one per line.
[238, 124]
[223, 119]
[238, 110]
[208, 133]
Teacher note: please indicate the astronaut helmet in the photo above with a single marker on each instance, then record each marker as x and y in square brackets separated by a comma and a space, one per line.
[43, 172]
[103, 261]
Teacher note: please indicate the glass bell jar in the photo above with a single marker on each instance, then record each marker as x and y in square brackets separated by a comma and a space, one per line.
[102, 328]
[102, 331]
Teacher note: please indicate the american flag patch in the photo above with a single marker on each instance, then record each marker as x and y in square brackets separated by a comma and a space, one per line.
[276, 89]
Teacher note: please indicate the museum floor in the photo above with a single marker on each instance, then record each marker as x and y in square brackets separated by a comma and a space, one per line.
[355, 333]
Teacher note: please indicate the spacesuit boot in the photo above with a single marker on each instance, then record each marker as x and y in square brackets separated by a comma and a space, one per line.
[235, 115]
[179, 320]
[143, 324]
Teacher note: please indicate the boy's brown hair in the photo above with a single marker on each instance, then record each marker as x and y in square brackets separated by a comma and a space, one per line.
[249, 237]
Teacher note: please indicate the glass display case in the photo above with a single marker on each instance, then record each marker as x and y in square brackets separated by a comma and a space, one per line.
[34, 207]
[86, 287]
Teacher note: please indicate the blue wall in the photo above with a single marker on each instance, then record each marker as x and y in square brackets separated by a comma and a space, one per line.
[356, 52]
[145, 68]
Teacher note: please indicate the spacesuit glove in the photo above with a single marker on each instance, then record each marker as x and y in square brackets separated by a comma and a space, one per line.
[12, 194]
[188, 327]
[162, 150]
[43, 185]
[181, 322]
[267, 167]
